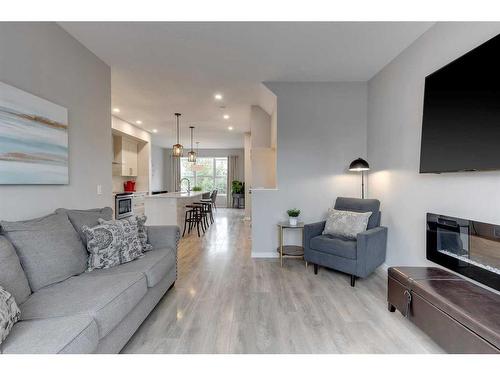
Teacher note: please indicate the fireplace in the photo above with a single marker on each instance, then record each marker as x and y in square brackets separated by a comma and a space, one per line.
[469, 247]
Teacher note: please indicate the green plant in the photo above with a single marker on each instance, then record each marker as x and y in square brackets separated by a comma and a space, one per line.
[197, 188]
[237, 187]
[293, 212]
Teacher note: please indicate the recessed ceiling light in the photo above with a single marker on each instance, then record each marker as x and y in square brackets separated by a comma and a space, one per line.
[116, 110]
[138, 122]
[226, 117]
[155, 130]
[229, 128]
[218, 96]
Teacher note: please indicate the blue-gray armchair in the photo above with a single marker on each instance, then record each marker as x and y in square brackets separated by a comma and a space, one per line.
[359, 257]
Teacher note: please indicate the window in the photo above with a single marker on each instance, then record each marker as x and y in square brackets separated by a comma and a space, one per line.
[209, 173]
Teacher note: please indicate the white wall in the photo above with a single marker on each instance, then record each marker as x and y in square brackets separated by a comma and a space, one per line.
[160, 168]
[248, 175]
[321, 129]
[44, 60]
[394, 128]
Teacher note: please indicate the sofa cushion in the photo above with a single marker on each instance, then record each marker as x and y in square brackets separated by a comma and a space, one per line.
[90, 218]
[107, 298]
[72, 334]
[154, 265]
[326, 243]
[12, 276]
[346, 223]
[49, 248]
[9, 313]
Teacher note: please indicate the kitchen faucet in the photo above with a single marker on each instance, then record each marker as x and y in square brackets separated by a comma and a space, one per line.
[189, 184]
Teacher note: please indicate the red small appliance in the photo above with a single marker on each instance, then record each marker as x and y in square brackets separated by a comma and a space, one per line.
[129, 186]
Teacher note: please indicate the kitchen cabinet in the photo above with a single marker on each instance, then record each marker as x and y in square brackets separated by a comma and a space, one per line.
[125, 156]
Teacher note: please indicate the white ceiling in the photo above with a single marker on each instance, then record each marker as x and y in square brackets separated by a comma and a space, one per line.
[165, 67]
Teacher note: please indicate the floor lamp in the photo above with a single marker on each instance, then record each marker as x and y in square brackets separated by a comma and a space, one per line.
[360, 165]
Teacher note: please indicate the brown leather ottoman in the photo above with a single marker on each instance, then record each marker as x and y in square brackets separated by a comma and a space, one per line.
[459, 315]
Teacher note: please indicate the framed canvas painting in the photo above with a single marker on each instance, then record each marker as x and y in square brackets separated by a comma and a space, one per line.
[33, 139]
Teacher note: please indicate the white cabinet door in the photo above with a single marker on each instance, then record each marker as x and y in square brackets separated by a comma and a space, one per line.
[129, 157]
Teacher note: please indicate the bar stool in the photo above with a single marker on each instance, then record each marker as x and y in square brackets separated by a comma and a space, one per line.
[193, 216]
[207, 211]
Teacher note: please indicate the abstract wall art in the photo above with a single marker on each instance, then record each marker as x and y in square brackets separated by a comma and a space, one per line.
[33, 139]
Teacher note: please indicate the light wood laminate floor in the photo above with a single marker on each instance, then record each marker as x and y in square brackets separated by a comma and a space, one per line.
[226, 302]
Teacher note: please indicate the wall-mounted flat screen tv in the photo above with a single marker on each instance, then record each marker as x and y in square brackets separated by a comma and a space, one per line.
[461, 119]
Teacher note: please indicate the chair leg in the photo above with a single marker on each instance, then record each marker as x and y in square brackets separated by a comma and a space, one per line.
[390, 307]
[315, 269]
[198, 227]
[353, 280]
[185, 222]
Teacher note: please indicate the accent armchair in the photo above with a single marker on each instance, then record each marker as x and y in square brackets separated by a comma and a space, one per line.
[359, 257]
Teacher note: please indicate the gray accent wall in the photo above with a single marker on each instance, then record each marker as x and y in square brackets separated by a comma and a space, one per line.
[395, 103]
[44, 60]
[321, 129]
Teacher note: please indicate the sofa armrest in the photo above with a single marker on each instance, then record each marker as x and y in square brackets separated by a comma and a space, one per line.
[312, 230]
[161, 236]
[371, 250]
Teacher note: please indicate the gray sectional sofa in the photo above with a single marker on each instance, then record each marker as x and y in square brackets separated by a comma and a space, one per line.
[87, 312]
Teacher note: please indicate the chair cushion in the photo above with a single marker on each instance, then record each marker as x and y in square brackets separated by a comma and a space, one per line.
[107, 298]
[328, 244]
[154, 265]
[72, 334]
[49, 248]
[12, 276]
[361, 205]
[80, 218]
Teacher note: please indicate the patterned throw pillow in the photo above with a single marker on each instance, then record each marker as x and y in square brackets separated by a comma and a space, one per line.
[131, 247]
[143, 233]
[104, 245]
[346, 224]
[9, 313]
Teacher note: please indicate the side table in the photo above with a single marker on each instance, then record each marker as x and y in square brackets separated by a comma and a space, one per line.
[289, 251]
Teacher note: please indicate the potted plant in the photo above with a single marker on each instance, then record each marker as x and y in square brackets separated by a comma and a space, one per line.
[197, 188]
[293, 214]
[238, 191]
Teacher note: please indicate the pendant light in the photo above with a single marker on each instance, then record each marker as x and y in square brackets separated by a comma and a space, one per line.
[192, 154]
[177, 149]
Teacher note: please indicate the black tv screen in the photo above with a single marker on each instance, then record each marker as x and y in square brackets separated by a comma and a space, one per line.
[461, 119]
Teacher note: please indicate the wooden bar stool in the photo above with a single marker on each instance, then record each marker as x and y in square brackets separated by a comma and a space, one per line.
[193, 216]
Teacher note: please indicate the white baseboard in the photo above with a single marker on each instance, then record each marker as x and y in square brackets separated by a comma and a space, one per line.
[271, 254]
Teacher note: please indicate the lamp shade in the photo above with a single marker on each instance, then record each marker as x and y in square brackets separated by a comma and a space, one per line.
[359, 165]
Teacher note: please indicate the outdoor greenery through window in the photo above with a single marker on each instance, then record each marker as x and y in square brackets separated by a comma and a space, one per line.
[207, 173]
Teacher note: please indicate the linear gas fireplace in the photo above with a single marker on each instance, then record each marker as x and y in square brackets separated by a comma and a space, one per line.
[468, 247]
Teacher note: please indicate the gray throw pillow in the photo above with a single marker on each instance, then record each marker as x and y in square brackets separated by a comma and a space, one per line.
[346, 224]
[90, 218]
[104, 243]
[49, 248]
[12, 276]
[143, 233]
[9, 313]
[131, 247]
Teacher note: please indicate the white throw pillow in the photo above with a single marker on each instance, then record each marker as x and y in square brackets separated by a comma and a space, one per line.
[346, 224]
[9, 313]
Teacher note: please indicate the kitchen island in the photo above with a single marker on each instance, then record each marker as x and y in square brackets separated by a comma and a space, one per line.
[169, 208]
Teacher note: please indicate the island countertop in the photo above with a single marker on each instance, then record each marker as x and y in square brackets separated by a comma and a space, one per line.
[177, 195]
[169, 208]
